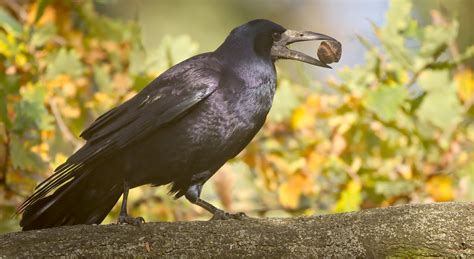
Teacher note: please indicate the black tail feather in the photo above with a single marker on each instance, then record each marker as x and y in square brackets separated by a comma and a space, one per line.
[83, 200]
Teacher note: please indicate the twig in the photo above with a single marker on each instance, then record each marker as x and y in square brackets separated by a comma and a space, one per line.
[3, 175]
[16, 8]
[415, 76]
[62, 126]
[438, 19]
[4, 168]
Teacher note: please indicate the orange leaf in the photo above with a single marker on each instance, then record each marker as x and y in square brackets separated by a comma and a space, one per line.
[290, 192]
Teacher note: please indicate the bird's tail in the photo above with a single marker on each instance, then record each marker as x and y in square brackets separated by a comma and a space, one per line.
[86, 199]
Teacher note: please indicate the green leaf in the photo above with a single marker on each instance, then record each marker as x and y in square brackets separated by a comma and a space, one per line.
[31, 112]
[433, 81]
[3, 109]
[365, 42]
[171, 51]
[385, 101]
[137, 56]
[21, 158]
[9, 22]
[358, 78]
[139, 82]
[440, 106]
[43, 35]
[103, 27]
[394, 188]
[467, 54]
[436, 38]
[442, 109]
[392, 36]
[413, 31]
[9, 84]
[102, 78]
[65, 62]
[398, 15]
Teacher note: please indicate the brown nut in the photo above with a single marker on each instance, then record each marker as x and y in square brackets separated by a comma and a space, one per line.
[329, 51]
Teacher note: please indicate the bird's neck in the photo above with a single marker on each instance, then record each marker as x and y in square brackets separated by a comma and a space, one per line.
[241, 52]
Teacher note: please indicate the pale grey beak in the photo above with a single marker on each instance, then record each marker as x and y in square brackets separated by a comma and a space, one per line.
[281, 51]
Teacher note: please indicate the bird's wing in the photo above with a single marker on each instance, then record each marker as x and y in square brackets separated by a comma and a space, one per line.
[159, 103]
[167, 98]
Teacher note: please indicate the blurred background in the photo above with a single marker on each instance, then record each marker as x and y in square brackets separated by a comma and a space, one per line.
[392, 123]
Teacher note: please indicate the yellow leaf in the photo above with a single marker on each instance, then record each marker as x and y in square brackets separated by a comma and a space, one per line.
[404, 77]
[103, 101]
[302, 118]
[69, 89]
[58, 160]
[465, 85]
[339, 144]
[315, 161]
[70, 112]
[42, 150]
[5, 49]
[440, 188]
[129, 95]
[60, 81]
[314, 101]
[21, 60]
[280, 163]
[288, 197]
[405, 171]
[350, 198]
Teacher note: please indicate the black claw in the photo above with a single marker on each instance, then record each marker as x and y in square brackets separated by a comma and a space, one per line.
[222, 215]
[240, 215]
[131, 220]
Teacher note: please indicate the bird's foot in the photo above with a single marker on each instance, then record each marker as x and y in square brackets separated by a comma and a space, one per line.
[125, 219]
[222, 215]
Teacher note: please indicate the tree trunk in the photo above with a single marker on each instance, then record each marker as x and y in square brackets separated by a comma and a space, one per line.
[439, 229]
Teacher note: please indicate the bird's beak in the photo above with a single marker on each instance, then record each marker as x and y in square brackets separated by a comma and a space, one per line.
[281, 51]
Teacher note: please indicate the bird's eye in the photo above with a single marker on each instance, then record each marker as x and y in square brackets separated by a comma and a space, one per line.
[276, 36]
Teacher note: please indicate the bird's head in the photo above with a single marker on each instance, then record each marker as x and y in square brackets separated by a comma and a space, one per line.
[271, 40]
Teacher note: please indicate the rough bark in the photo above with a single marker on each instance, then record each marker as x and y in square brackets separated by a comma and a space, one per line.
[439, 229]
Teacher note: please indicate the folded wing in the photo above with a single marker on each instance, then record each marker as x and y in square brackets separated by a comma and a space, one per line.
[167, 98]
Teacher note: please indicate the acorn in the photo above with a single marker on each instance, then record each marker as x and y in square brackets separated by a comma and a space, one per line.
[329, 51]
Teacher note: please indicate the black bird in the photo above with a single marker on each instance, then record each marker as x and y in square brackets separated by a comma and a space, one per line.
[178, 130]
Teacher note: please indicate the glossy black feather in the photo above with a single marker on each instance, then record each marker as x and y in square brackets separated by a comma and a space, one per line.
[180, 129]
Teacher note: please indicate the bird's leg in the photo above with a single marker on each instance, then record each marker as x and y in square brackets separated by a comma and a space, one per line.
[124, 217]
[193, 194]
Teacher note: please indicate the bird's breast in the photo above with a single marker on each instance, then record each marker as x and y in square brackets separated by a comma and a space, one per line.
[231, 116]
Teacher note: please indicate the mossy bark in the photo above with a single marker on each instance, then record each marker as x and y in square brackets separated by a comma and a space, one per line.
[438, 229]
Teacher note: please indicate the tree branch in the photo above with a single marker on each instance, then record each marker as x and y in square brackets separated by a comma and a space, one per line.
[438, 229]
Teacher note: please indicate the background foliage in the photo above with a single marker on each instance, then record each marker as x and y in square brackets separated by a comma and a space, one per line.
[397, 129]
